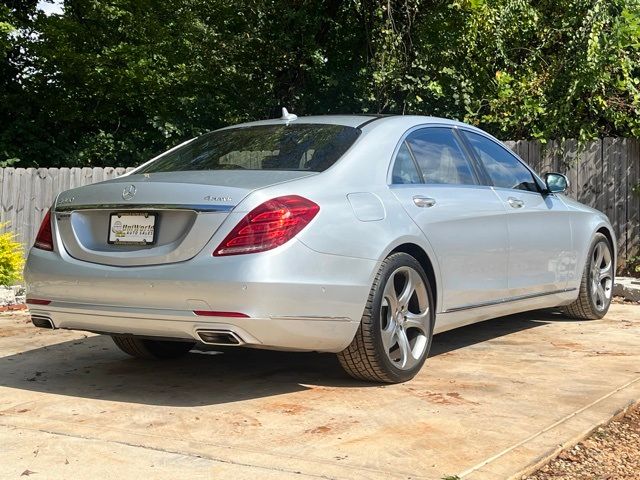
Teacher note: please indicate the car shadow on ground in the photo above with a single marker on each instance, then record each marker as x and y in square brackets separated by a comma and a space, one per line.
[498, 327]
[94, 368]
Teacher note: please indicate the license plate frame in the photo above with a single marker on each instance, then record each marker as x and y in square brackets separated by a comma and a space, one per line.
[115, 237]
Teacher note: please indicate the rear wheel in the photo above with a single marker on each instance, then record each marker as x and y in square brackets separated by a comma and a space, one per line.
[396, 329]
[596, 286]
[152, 349]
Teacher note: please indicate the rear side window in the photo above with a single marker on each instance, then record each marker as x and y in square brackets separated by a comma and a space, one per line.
[306, 147]
[440, 157]
[504, 169]
[405, 170]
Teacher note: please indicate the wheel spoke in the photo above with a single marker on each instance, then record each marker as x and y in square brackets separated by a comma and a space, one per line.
[405, 349]
[390, 296]
[388, 335]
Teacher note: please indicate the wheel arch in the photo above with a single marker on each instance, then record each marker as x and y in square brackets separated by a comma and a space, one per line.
[422, 257]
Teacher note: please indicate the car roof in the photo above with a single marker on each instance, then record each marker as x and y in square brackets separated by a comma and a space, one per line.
[360, 121]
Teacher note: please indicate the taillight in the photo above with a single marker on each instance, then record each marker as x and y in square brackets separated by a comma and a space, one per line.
[268, 226]
[44, 240]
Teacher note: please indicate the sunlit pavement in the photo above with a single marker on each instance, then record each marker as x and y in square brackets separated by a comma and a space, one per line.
[493, 400]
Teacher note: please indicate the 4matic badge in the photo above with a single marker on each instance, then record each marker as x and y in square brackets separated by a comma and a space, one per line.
[212, 198]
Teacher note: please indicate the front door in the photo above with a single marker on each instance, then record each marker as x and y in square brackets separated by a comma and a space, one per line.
[540, 239]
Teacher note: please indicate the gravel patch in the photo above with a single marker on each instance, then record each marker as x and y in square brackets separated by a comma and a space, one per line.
[612, 452]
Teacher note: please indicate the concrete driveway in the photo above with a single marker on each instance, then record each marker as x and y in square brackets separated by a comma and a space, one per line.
[493, 400]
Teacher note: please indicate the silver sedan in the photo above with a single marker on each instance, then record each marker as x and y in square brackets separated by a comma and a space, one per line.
[359, 235]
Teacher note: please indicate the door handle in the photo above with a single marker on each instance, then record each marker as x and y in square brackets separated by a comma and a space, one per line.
[424, 202]
[515, 202]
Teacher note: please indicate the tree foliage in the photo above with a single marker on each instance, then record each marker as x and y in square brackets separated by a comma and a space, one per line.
[113, 82]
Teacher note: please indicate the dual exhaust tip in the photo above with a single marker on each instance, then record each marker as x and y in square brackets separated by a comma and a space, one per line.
[210, 337]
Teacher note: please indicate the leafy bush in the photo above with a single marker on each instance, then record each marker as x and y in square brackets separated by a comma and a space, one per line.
[11, 259]
[632, 268]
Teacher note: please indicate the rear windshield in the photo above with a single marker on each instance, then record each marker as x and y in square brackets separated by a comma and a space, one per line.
[308, 147]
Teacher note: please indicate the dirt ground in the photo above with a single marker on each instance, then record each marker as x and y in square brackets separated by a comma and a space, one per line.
[612, 452]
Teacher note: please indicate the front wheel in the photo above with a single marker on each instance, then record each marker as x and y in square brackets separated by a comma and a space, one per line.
[596, 286]
[152, 349]
[396, 329]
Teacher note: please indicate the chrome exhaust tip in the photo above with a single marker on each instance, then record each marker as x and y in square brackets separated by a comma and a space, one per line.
[219, 337]
[42, 322]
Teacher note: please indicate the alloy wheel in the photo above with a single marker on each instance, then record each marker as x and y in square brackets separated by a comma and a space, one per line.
[405, 323]
[601, 276]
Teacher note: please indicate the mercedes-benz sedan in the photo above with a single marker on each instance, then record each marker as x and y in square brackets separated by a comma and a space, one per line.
[359, 235]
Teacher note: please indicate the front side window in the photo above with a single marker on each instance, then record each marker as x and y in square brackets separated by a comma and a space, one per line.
[306, 147]
[504, 169]
[440, 157]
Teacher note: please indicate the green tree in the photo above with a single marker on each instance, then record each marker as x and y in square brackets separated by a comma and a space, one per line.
[520, 69]
[113, 82]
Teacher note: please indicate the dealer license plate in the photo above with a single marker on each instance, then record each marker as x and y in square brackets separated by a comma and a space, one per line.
[132, 228]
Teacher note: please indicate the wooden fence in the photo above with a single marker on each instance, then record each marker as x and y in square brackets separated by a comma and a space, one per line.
[27, 193]
[602, 173]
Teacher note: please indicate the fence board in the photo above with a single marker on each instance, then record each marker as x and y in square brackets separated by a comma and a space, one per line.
[620, 195]
[535, 156]
[20, 204]
[589, 182]
[547, 160]
[633, 199]
[609, 157]
[568, 164]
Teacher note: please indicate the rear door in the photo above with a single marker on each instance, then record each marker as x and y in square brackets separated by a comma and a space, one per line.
[540, 243]
[437, 183]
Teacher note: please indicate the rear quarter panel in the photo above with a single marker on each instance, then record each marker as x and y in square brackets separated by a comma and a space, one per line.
[359, 216]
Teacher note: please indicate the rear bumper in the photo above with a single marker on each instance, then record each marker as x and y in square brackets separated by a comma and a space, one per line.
[303, 334]
[294, 298]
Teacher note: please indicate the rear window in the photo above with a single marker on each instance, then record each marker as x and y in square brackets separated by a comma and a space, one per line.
[307, 147]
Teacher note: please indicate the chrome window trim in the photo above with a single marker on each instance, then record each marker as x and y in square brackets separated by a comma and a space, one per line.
[441, 185]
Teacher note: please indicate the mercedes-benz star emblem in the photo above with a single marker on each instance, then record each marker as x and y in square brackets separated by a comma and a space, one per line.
[129, 192]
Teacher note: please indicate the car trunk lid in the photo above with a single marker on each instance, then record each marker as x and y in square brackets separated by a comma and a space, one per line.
[187, 208]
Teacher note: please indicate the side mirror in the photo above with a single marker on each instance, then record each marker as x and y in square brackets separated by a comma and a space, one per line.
[556, 182]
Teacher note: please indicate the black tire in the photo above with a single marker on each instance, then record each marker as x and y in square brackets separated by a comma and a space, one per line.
[366, 358]
[584, 307]
[152, 349]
